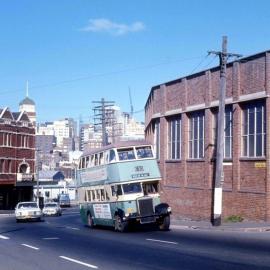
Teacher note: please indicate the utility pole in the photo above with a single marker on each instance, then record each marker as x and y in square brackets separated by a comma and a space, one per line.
[102, 114]
[37, 173]
[219, 174]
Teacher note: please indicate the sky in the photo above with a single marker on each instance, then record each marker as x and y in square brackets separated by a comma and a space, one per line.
[74, 52]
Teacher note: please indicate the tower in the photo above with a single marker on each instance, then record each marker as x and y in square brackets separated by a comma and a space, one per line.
[28, 105]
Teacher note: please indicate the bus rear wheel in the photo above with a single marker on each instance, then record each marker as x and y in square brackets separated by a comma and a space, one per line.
[165, 224]
[119, 225]
[90, 221]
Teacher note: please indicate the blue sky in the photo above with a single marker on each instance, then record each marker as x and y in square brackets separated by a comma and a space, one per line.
[75, 51]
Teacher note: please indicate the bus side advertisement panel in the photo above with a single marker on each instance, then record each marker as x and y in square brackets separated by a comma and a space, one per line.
[102, 211]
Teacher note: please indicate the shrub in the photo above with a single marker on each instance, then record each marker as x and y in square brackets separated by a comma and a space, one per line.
[234, 218]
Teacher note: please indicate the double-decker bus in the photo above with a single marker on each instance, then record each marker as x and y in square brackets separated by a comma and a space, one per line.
[119, 185]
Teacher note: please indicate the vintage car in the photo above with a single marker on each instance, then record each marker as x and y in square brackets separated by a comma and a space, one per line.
[64, 200]
[28, 211]
[52, 209]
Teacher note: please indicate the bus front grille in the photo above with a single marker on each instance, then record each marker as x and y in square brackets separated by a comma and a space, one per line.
[146, 206]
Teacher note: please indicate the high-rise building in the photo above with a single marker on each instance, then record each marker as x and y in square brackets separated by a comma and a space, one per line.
[65, 128]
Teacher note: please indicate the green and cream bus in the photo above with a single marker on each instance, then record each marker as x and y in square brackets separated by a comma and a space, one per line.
[119, 185]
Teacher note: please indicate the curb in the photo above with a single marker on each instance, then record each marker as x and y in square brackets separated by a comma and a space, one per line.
[230, 229]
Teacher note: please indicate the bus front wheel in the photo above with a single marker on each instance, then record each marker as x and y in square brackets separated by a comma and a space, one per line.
[119, 225]
[90, 221]
[165, 223]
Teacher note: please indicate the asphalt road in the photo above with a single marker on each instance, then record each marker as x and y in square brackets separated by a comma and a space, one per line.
[64, 243]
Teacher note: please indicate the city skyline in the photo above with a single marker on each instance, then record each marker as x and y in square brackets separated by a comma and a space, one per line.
[73, 54]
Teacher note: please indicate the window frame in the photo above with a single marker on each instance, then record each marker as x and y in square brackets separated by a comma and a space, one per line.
[174, 138]
[250, 112]
[228, 131]
[196, 136]
[157, 139]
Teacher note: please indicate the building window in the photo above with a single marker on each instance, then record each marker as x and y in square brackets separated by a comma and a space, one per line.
[196, 135]
[2, 166]
[157, 139]
[174, 138]
[227, 132]
[253, 130]
[9, 166]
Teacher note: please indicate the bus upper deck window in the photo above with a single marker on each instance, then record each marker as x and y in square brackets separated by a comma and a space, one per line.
[87, 162]
[144, 152]
[126, 154]
[112, 156]
[96, 159]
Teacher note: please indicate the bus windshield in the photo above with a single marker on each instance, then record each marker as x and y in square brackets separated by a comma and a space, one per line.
[132, 188]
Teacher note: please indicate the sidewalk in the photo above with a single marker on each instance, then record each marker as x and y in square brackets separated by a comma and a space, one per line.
[244, 226]
[6, 213]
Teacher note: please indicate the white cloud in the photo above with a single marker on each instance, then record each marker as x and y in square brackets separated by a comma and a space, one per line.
[117, 29]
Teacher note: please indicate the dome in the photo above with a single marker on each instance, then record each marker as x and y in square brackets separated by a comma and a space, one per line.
[27, 101]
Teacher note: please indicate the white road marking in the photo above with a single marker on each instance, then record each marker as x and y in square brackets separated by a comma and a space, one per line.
[74, 212]
[36, 248]
[4, 237]
[79, 262]
[72, 228]
[50, 238]
[161, 241]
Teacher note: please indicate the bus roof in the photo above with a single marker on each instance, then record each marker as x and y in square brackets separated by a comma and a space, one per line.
[117, 145]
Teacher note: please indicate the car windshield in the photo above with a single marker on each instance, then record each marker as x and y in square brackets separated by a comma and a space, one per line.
[50, 205]
[65, 197]
[27, 205]
[132, 188]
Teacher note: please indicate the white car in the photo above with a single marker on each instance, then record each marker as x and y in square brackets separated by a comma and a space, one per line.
[28, 211]
[52, 209]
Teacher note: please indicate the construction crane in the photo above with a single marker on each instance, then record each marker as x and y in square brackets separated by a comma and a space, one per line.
[131, 105]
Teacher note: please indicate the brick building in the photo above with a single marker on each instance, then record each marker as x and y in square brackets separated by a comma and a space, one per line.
[181, 120]
[17, 158]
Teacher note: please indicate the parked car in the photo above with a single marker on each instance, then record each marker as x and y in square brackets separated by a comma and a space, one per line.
[28, 211]
[52, 209]
[64, 200]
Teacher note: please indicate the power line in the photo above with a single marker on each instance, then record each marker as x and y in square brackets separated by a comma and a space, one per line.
[193, 70]
[87, 77]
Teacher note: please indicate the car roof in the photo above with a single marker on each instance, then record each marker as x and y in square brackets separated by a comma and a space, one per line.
[26, 202]
[51, 203]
